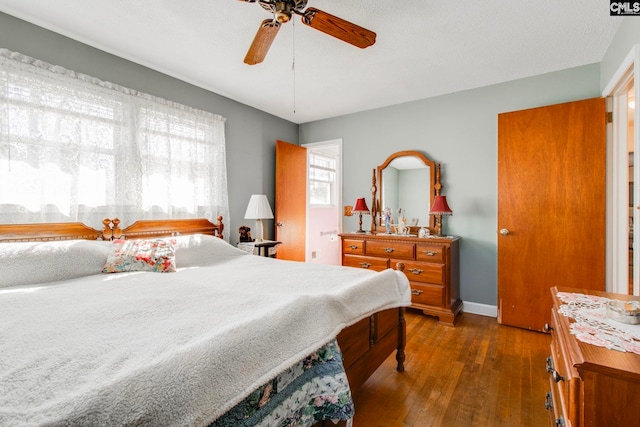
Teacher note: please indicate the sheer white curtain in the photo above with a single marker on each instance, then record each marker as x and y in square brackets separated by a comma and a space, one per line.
[75, 148]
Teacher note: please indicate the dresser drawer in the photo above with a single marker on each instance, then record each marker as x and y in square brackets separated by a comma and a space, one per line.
[390, 249]
[562, 374]
[557, 416]
[423, 272]
[352, 246]
[430, 264]
[376, 264]
[558, 388]
[430, 253]
[427, 294]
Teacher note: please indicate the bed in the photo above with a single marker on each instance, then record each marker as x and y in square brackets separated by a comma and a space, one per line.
[219, 337]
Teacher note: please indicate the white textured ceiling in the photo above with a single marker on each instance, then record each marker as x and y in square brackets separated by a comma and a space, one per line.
[424, 48]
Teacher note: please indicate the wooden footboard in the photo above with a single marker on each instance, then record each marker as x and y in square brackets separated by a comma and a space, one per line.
[368, 343]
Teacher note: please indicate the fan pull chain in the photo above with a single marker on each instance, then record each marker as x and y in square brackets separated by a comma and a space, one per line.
[293, 66]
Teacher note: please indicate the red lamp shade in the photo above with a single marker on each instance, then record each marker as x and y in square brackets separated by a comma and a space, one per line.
[440, 206]
[360, 206]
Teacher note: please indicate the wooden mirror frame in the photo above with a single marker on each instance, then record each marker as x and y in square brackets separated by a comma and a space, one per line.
[433, 188]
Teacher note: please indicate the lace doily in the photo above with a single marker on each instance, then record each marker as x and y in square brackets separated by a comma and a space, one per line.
[592, 325]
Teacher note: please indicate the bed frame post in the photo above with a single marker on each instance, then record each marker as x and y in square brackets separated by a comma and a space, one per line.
[402, 331]
[107, 231]
[117, 231]
[402, 340]
[220, 227]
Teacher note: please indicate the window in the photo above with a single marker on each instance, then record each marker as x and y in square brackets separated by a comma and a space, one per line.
[74, 148]
[322, 179]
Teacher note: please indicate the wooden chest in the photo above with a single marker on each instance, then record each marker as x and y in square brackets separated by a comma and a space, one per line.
[431, 265]
[589, 385]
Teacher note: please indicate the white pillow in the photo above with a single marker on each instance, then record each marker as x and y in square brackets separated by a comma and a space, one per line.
[23, 263]
[202, 249]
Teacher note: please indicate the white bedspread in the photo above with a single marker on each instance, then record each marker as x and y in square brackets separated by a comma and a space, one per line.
[172, 348]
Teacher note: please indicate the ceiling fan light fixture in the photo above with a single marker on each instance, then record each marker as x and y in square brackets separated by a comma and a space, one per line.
[312, 17]
[283, 17]
[283, 11]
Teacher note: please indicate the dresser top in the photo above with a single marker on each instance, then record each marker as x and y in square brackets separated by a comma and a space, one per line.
[593, 357]
[399, 237]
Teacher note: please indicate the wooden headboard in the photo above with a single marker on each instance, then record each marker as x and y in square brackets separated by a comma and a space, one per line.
[48, 231]
[167, 227]
[111, 230]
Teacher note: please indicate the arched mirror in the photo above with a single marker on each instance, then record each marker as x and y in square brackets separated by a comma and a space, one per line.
[407, 180]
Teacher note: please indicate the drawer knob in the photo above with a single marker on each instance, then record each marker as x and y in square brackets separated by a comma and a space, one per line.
[429, 253]
[388, 250]
[547, 328]
[415, 270]
[548, 401]
[416, 292]
[365, 265]
[353, 246]
[556, 376]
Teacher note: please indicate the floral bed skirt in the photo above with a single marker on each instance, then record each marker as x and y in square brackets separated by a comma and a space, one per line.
[313, 390]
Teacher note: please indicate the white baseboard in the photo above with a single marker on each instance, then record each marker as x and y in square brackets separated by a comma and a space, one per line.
[481, 309]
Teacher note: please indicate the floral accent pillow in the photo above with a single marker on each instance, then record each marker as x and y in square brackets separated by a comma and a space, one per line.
[156, 255]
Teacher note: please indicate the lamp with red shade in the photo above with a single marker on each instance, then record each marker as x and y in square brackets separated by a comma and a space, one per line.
[438, 209]
[360, 208]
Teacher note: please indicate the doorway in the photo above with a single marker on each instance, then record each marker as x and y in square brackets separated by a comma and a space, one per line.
[630, 101]
[324, 190]
[623, 254]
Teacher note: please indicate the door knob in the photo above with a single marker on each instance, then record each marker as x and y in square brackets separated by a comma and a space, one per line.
[504, 232]
[279, 224]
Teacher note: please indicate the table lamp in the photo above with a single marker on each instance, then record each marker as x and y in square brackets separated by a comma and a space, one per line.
[438, 209]
[259, 209]
[360, 208]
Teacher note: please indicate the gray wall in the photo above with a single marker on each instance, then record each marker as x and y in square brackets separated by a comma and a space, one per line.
[460, 132]
[250, 133]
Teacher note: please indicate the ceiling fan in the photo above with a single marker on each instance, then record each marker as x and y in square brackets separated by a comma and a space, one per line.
[314, 18]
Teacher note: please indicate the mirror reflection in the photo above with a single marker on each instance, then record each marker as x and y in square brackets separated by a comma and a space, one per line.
[404, 181]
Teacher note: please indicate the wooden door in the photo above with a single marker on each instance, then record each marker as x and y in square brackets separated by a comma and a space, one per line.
[291, 200]
[551, 206]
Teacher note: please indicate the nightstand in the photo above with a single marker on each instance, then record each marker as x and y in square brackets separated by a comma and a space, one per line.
[265, 248]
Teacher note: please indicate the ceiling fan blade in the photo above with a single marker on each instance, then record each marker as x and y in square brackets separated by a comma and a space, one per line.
[338, 28]
[262, 42]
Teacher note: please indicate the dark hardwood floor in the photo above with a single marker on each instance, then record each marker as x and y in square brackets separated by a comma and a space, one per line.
[478, 373]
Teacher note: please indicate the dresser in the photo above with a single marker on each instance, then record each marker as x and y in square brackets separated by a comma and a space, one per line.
[431, 265]
[589, 385]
